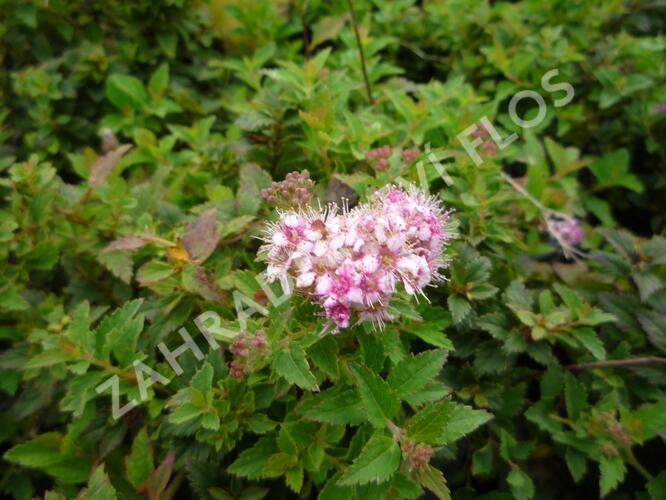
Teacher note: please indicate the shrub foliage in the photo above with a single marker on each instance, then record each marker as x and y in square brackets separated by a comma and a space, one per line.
[135, 141]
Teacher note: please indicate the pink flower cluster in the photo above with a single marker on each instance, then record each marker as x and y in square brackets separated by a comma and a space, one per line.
[352, 263]
[380, 156]
[416, 455]
[245, 349]
[295, 190]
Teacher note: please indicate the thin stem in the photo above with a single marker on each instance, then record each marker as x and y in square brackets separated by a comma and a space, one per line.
[633, 461]
[524, 192]
[75, 352]
[173, 487]
[360, 51]
[615, 363]
[306, 39]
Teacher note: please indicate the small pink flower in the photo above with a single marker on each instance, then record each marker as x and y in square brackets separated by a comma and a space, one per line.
[568, 230]
[409, 155]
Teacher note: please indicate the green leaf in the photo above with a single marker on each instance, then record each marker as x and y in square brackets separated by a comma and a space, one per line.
[153, 272]
[286, 441]
[459, 308]
[12, 301]
[654, 325]
[203, 378]
[78, 330]
[432, 391]
[184, 413]
[379, 401]
[250, 464]
[576, 462]
[337, 408]
[648, 284]
[432, 333]
[325, 355]
[572, 300]
[521, 484]
[405, 486]
[99, 487]
[646, 422]
[413, 373]
[159, 81]
[294, 478]
[372, 349]
[612, 169]
[41, 451]
[575, 396]
[278, 464]
[139, 463]
[333, 491]
[482, 460]
[591, 341]
[48, 358]
[377, 462]
[552, 383]
[80, 390]
[108, 333]
[445, 422]
[657, 487]
[126, 91]
[290, 363]
[433, 480]
[612, 473]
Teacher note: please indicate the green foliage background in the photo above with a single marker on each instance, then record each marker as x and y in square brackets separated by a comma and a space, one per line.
[135, 138]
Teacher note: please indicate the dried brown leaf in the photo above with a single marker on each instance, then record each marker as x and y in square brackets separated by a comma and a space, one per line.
[129, 242]
[201, 236]
[100, 170]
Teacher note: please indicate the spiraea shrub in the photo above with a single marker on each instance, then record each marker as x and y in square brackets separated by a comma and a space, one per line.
[335, 250]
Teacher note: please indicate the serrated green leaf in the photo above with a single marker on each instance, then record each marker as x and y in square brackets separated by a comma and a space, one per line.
[377, 462]
[379, 401]
[250, 463]
[413, 373]
[657, 487]
[612, 474]
[552, 383]
[99, 487]
[80, 390]
[445, 422]
[290, 363]
[433, 480]
[576, 462]
[139, 463]
[432, 333]
[48, 358]
[460, 308]
[575, 396]
[521, 484]
[337, 408]
[203, 378]
[591, 341]
[325, 355]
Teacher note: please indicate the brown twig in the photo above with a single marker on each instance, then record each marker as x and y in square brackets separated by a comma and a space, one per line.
[306, 38]
[360, 51]
[615, 363]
